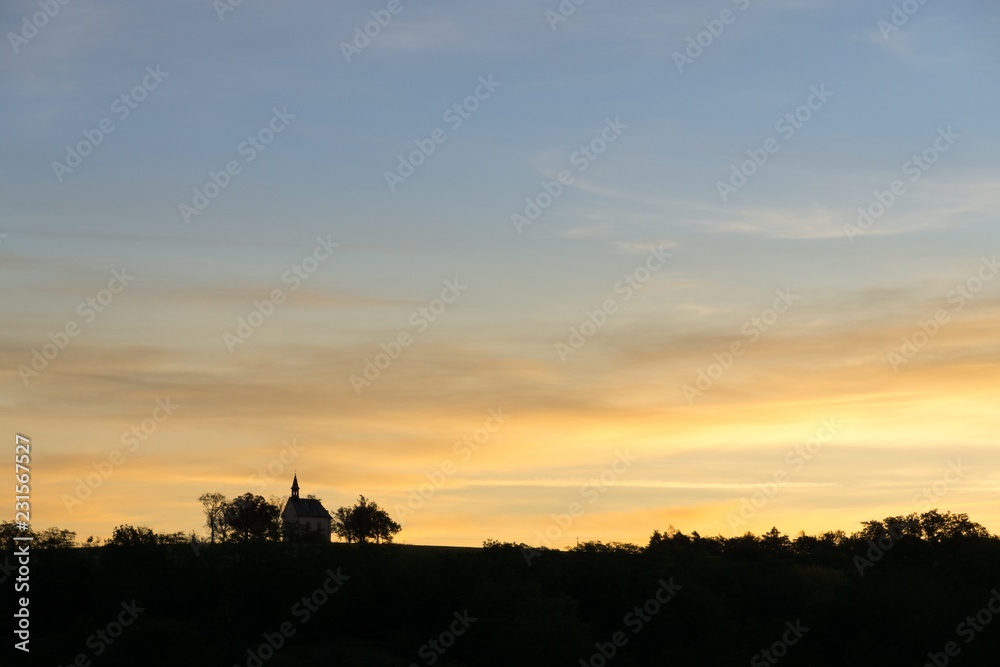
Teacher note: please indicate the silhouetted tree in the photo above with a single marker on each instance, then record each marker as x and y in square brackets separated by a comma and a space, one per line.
[215, 505]
[491, 544]
[55, 538]
[669, 538]
[9, 530]
[599, 547]
[931, 526]
[129, 536]
[746, 546]
[957, 526]
[363, 522]
[172, 538]
[834, 537]
[50, 538]
[775, 542]
[252, 518]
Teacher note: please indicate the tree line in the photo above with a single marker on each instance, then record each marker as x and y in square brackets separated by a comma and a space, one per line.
[243, 519]
[252, 518]
[893, 592]
[866, 546]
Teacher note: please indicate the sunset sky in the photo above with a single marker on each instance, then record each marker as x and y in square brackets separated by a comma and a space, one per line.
[867, 344]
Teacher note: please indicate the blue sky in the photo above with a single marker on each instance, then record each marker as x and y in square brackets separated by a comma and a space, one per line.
[655, 186]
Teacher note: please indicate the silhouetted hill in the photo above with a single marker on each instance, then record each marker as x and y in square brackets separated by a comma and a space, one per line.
[681, 600]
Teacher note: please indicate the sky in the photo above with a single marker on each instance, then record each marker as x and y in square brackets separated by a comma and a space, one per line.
[525, 271]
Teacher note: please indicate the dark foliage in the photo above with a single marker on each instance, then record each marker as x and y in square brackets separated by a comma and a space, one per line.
[364, 522]
[887, 595]
[250, 518]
